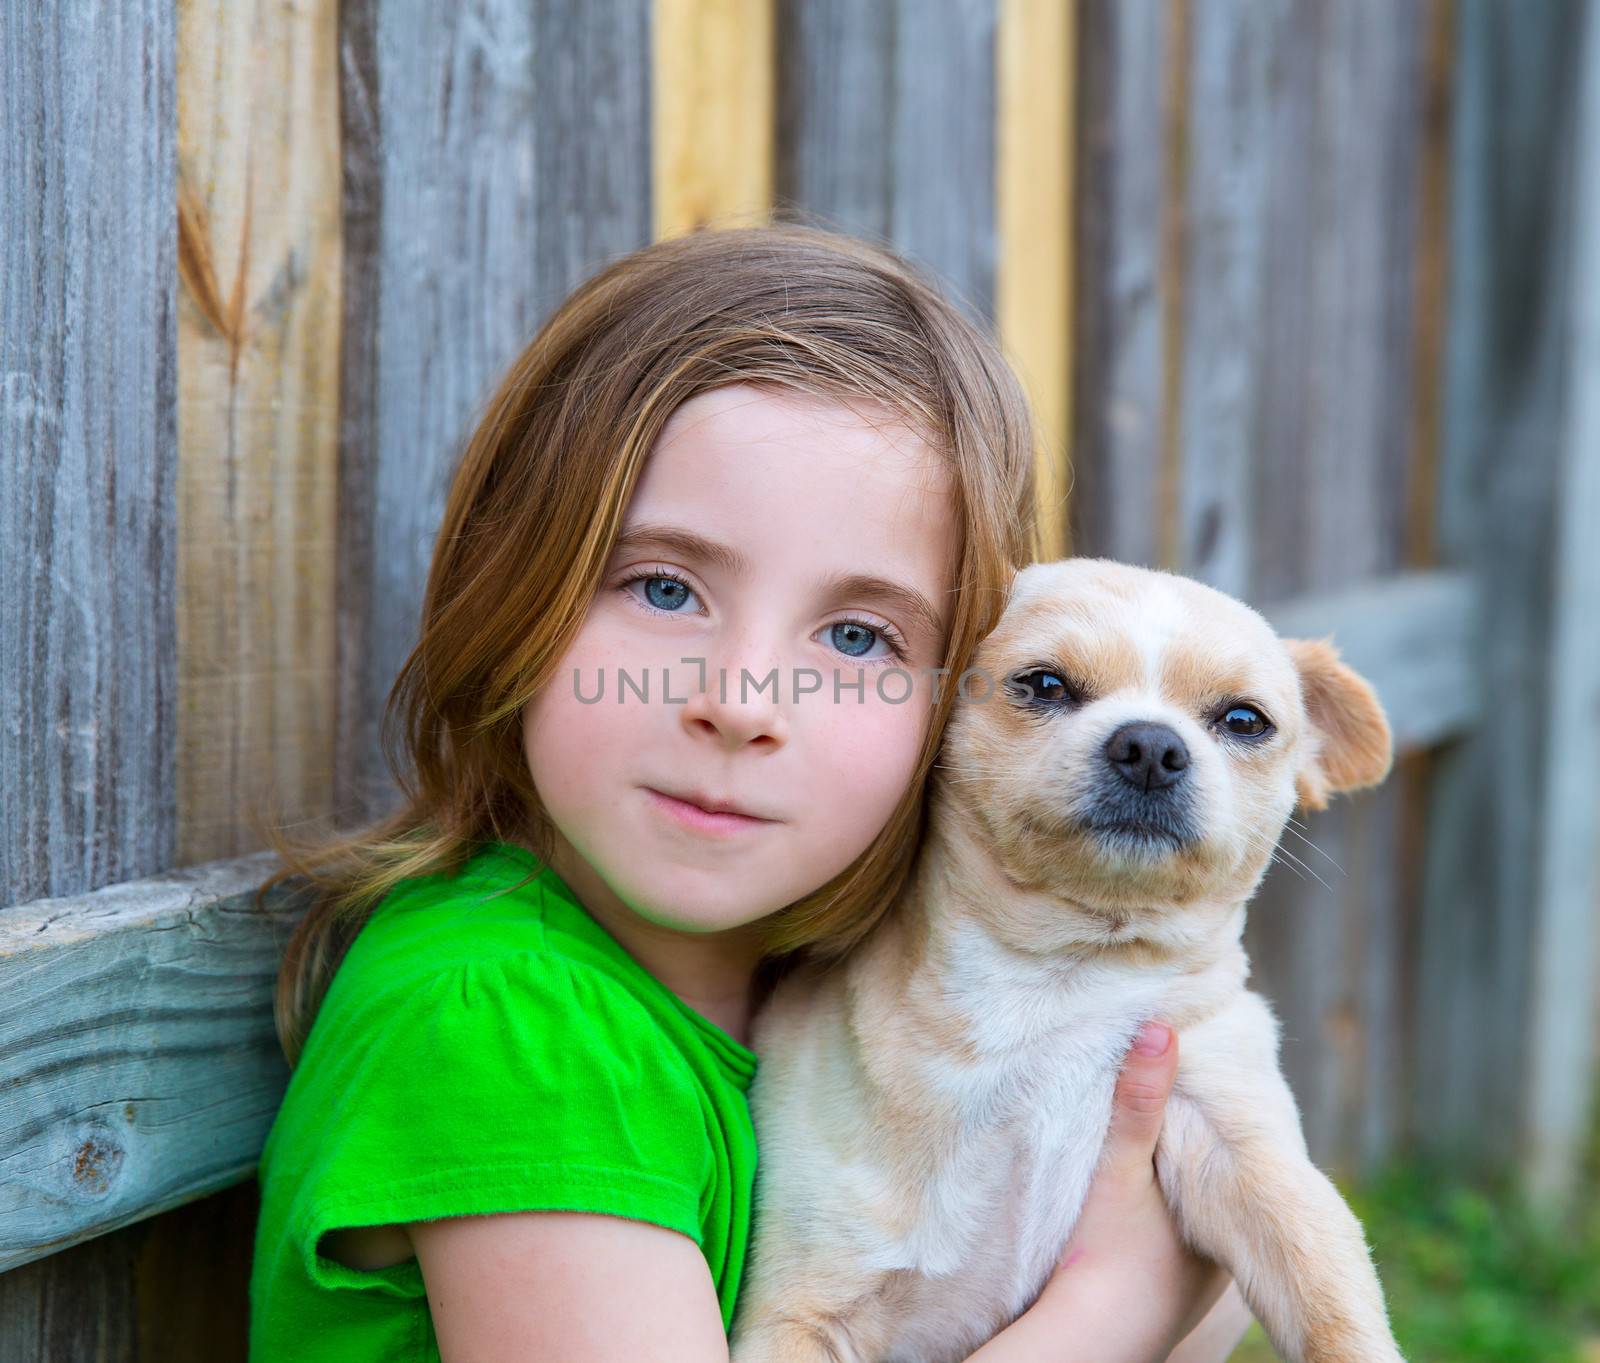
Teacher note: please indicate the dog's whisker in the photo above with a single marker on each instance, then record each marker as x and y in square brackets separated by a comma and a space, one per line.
[1314, 847]
[1284, 857]
[1278, 861]
[1296, 860]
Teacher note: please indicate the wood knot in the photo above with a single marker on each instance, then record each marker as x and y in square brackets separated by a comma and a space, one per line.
[95, 1164]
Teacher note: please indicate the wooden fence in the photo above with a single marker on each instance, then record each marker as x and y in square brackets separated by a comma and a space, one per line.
[1310, 289]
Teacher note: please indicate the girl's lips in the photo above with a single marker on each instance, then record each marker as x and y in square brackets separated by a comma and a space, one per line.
[687, 815]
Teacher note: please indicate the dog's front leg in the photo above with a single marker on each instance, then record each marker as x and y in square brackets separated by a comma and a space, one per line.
[776, 1339]
[815, 1326]
[1233, 1164]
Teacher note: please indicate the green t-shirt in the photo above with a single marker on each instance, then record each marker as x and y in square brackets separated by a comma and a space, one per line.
[483, 1047]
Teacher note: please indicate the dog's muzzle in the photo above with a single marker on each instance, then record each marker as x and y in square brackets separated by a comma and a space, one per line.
[1143, 792]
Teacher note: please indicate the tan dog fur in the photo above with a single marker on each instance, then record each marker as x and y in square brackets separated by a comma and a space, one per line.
[930, 1111]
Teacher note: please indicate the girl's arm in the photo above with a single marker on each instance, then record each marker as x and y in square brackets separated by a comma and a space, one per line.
[524, 1287]
[586, 1288]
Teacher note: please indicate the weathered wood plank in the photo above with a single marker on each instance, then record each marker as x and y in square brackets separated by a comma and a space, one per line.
[88, 448]
[142, 1069]
[1334, 385]
[258, 359]
[1500, 900]
[835, 113]
[498, 154]
[1565, 990]
[942, 208]
[887, 129]
[1227, 294]
[173, 1288]
[712, 119]
[1118, 314]
[1036, 50]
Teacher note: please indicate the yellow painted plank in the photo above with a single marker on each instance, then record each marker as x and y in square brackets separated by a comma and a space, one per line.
[1035, 53]
[259, 258]
[712, 113]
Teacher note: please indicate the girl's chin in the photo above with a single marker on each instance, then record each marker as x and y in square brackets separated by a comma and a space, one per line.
[701, 921]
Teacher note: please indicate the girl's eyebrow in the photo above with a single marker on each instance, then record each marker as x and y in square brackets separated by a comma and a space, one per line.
[680, 540]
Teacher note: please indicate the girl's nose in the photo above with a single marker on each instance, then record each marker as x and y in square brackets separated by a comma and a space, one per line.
[739, 704]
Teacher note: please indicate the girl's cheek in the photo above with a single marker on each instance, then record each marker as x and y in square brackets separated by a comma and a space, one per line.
[575, 734]
[864, 753]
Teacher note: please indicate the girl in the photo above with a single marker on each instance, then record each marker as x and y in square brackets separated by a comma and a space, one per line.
[677, 691]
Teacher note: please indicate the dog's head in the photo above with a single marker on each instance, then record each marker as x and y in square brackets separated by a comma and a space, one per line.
[1147, 736]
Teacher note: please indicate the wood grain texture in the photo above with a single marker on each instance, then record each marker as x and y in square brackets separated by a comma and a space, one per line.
[258, 362]
[1508, 899]
[495, 156]
[1118, 317]
[173, 1289]
[712, 120]
[88, 450]
[1036, 54]
[1562, 1077]
[1225, 285]
[886, 129]
[142, 1066]
[1325, 506]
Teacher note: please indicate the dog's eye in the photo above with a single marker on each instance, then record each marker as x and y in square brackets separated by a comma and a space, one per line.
[1041, 685]
[1246, 721]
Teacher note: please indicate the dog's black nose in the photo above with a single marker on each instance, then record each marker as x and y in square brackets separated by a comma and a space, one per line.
[1148, 756]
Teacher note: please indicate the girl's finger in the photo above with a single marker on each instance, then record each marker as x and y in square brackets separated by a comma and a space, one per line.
[1140, 1100]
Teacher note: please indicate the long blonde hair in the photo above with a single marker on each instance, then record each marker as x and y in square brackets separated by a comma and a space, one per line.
[537, 502]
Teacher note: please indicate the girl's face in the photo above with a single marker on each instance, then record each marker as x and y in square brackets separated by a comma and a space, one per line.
[778, 556]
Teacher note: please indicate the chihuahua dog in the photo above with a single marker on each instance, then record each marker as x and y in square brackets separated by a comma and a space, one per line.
[930, 1110]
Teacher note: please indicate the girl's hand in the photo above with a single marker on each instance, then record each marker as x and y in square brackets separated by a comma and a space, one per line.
[1125, 1253]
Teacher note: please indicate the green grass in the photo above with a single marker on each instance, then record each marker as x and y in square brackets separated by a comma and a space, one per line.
[1473, 1275]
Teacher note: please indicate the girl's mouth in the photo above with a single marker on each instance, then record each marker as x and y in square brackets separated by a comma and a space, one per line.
[691, 816]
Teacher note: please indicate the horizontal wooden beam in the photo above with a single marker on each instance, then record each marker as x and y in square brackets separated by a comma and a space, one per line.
[1414, 636]
[141, 1069]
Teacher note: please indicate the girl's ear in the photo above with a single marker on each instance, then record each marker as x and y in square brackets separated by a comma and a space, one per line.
[1350, 744]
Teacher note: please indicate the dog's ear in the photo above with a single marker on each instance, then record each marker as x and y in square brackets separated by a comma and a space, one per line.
[1350, 744]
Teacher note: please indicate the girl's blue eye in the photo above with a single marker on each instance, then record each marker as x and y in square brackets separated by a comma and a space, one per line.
[667, 592]
[847, 634]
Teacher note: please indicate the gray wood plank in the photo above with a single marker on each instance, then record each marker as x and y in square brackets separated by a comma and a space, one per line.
[1336, 397]
[1117, 331]
[499, 154]
[141, 1064]
[174, 1287]
[1233, 107]
[88, 445]
[1565, 988]
[886, 129]
[1495, 903]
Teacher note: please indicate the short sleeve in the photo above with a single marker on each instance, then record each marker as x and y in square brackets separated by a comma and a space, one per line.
[529, 1082]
